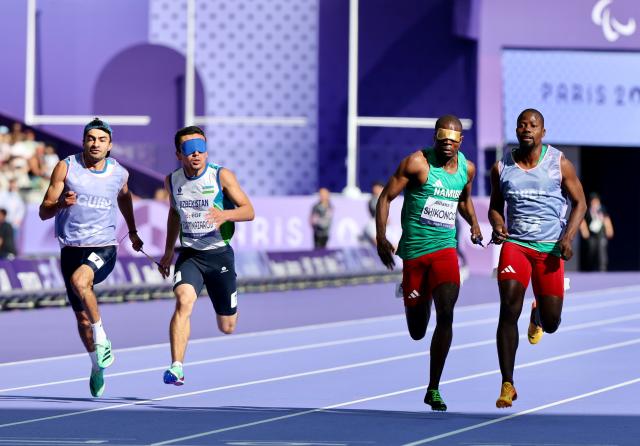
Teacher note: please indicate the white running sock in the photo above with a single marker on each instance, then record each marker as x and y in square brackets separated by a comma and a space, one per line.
[94, 361]
[99, 336]
[176, 364]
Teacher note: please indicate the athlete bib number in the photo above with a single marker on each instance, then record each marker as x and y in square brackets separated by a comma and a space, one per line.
[439, 213]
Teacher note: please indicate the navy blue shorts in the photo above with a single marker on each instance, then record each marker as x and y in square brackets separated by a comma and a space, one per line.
[214, 269]
[100, 259]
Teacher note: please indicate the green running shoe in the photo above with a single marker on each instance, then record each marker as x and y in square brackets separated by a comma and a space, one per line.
[174, 375]
[96, 383]
[433, 399]
[104, 355]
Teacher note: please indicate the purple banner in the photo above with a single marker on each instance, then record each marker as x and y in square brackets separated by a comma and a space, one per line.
[44, 276]
[281, 225]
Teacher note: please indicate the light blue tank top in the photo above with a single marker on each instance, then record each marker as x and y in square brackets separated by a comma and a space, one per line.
[536, 205]
[192, 198]
[92, 220]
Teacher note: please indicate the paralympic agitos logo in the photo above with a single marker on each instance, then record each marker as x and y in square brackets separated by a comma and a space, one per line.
[611, 27]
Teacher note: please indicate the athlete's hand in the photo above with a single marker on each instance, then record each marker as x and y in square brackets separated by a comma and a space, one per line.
[68, 199]
[164, 265]
[385, 252]
[136, 242]
[499, 234]
[566, 250]
[476, 235]
[216, 216]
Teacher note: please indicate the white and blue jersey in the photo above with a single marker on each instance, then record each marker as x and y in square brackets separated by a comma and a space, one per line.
[91, 221]
[536, 204]
[192, 197]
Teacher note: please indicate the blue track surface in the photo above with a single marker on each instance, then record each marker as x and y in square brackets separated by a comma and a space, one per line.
[352, 382]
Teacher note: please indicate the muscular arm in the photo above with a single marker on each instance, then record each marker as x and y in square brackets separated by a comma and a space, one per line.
[496, 208]
[173, 229]
[409, 168]
[573, 189]
[465, 205]
[50, 202]
[125, 205]
[231, 188]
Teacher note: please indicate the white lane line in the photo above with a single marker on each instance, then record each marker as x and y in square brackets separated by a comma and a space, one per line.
[399, 392]
[278, 331]
[318, 372]
[348, 323]
[524, 412]
[255, 354]
[472, 323]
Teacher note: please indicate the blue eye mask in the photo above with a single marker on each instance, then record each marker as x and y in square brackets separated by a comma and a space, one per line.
[193, 145]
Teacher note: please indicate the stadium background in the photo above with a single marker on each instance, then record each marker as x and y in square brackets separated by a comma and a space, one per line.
[271, 87]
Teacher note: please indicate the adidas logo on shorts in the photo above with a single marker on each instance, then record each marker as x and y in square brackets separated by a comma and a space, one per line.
[508, 269]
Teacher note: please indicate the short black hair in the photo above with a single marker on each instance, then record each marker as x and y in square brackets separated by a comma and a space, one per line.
[446, 119]
[98, 123]
[531, 110]
[190, 130]
[3, 211]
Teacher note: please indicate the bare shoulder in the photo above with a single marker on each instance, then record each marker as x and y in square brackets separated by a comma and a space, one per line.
[227, 177]
[471, 170]
[414, 163]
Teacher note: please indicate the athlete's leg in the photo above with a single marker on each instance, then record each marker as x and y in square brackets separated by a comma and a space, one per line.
[418, 318]
[514, 273]
[85, 331]
[511, 300]
[550, 308]
[444, 297]
[180, 326]
[547, 280]
[82, 283]
[227, 324]
[417, 297]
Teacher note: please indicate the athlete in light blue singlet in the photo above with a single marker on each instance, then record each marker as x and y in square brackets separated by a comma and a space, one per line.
[83, 195]
[206, 201]
[534, 181]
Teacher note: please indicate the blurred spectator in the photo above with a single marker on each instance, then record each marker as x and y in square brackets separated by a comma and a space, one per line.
[7, 247]
[368, 235]
[25, 160]
[49, 161]
[596, 229]
[5, 144]
[13, 203]
[321, 218]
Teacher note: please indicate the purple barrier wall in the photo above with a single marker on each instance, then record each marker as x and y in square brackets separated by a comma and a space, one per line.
[281, 225]
[44, 276]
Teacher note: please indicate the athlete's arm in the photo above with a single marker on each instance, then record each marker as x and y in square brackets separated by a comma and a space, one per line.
[465, 205]
[573, 189]
[231, 188]
[173, 229]
[51, 201]
[126, 209]
[496, 208]
[408, 169]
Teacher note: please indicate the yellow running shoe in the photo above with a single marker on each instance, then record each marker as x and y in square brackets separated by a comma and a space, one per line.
[507, 396]
[534, 333]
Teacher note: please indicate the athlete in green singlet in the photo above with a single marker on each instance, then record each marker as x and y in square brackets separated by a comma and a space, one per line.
[436, 183]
